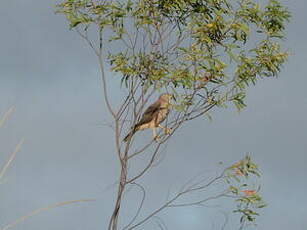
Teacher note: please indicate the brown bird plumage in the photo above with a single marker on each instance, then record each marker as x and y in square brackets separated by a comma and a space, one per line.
[153, 116]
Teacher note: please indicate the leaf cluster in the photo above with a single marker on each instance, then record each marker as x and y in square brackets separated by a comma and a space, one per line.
[248, 199]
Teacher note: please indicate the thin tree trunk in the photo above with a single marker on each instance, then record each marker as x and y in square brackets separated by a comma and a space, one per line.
[113, 224]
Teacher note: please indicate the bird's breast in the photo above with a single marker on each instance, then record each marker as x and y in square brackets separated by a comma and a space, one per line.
[161, 115]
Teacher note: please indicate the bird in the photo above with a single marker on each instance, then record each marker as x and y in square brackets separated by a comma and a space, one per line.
[153, 116]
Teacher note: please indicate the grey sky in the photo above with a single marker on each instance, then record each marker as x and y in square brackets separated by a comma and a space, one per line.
[50, 75]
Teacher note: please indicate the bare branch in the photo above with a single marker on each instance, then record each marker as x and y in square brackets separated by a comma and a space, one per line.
[170, 202]
[88, 41]
[199, 202]
[140, 206]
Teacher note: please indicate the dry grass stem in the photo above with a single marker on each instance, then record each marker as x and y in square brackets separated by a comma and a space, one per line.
[37, 211]
[7, 115]
[10, 160]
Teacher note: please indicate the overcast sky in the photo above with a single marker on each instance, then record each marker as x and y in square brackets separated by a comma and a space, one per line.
[49, 74]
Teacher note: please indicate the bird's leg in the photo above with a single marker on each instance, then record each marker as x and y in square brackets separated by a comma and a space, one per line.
[166, 130]
[154, 133]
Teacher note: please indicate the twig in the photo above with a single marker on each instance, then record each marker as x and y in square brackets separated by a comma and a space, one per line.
[140, 206]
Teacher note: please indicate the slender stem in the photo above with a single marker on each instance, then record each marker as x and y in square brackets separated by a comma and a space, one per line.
[6, 116]
[10, 160]
[37, 211]
[140, 206]
[105, 88]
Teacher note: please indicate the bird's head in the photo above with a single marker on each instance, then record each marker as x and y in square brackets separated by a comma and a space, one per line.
[166, 97]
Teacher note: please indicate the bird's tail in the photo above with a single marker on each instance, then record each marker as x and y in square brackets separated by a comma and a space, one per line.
[130, 134]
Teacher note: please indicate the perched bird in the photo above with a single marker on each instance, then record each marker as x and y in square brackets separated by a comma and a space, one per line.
[153, 116]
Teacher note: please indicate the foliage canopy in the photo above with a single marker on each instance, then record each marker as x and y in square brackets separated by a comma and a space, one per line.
[202, 51]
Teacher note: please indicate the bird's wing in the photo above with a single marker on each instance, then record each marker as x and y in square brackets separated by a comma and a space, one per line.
[149, 113]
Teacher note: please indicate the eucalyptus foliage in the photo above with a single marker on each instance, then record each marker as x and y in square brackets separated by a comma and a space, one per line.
[247, 197]
[202, 51]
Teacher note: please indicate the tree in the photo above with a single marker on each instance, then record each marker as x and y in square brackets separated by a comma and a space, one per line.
[204, 53]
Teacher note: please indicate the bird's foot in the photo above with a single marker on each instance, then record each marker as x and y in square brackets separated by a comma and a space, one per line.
[167, 131]
[157, 138]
